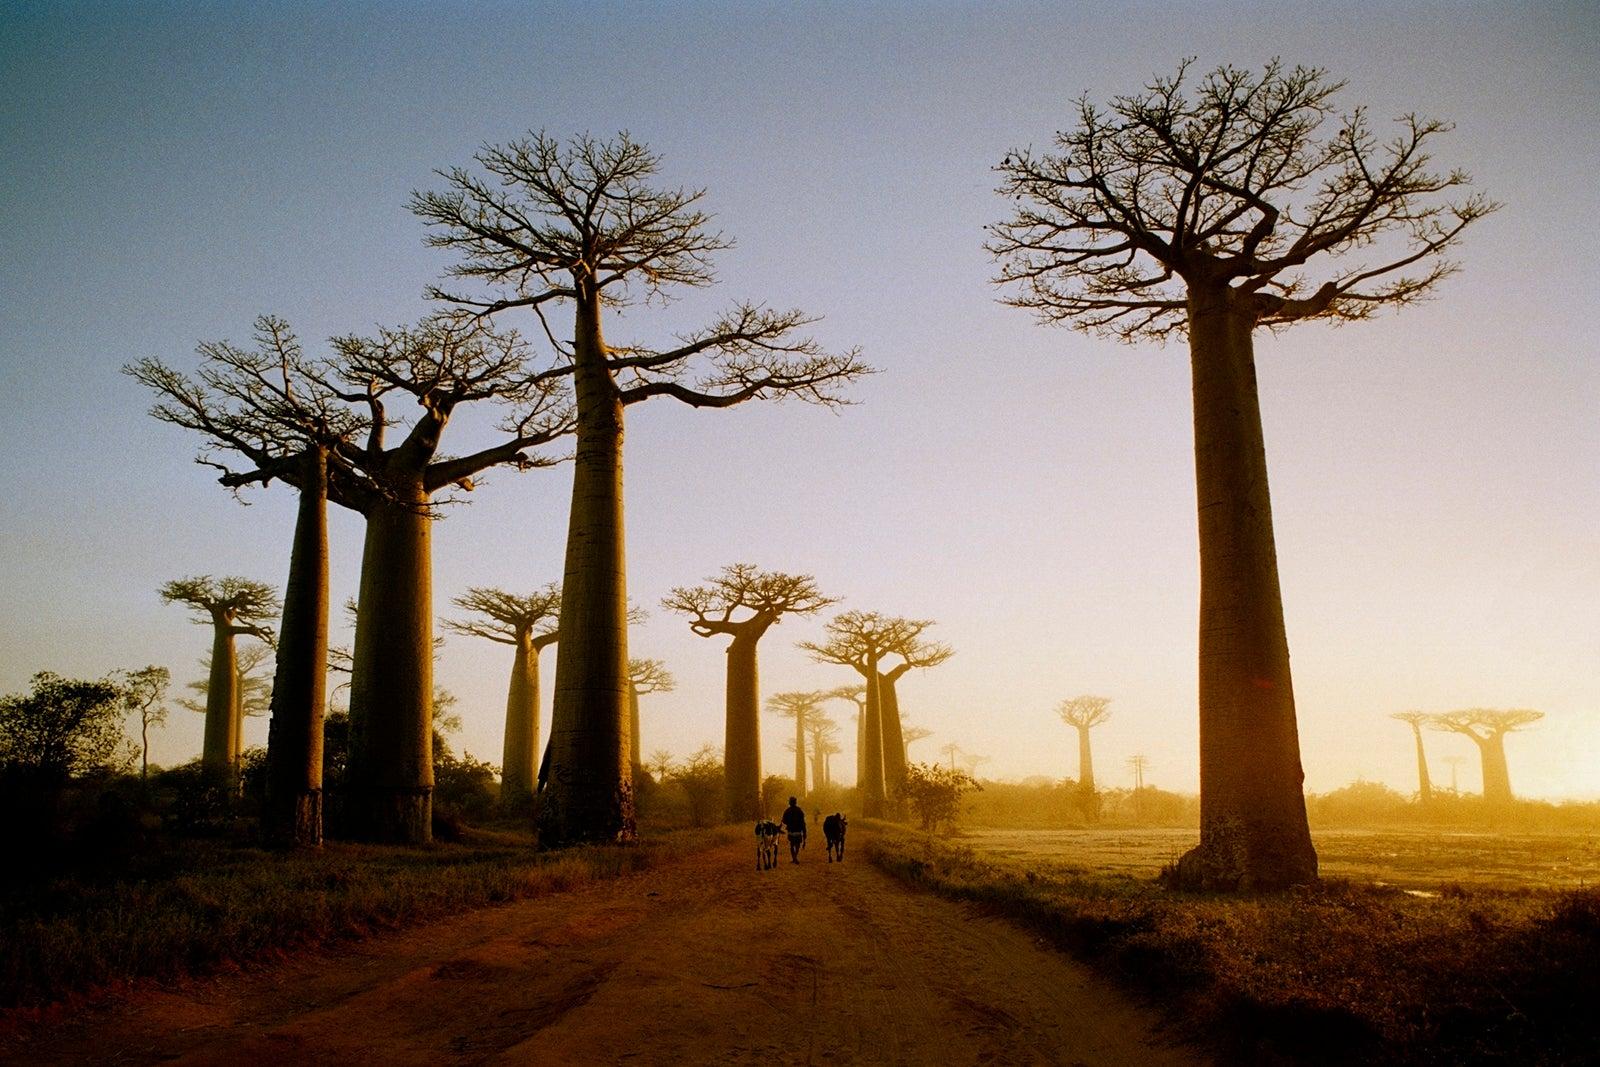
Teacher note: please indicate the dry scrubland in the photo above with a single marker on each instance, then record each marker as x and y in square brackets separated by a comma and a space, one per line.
[1487, 967]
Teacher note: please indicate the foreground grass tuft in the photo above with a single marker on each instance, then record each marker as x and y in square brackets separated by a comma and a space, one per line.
[210, 905]
[1339, 973]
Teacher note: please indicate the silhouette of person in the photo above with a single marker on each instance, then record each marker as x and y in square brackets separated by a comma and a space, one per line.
[794, 821]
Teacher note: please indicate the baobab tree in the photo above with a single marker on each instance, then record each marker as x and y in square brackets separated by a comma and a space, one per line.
[1416, 719]
[144, 694]
[1488, 728]
[908, 734]
[805, 708]
[541, 224]
[1211, 210]
[861, 640]
[231, 606]
[527, 624]
[857, 695]
[950, 751]
[743, 603]
[252, 689]
[823, 742]
[322, 425]
[915, 654]
[1084, 713]
[645, 676]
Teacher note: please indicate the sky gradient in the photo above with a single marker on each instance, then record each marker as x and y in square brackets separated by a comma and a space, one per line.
[172, 171]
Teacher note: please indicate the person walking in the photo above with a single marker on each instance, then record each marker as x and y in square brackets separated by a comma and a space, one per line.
[794, 821]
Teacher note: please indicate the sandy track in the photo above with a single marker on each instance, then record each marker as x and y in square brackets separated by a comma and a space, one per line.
[698, 962]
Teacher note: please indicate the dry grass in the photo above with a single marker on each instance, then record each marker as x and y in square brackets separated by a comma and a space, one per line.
[203, 905]
[1342, 973]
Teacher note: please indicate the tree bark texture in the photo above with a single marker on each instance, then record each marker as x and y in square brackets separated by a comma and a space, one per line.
[893, 741]
[520, 751]
[872, 781]
[742, 748]
[216, 758]
[589, 796]
[1253, 831]
[294, 734]
[391, 680]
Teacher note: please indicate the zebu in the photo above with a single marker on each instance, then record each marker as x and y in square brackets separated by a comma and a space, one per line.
[833, 828]
[767, 834]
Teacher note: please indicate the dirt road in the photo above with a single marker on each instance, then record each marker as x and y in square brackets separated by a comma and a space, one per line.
[704, 961]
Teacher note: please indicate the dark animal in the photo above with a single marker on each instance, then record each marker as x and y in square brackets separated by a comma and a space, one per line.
[767, 834]
[833, 828]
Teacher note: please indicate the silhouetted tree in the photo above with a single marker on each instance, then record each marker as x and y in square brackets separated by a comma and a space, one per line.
[914, 653]
[1488, 728]
[63, 728]
[660, 764]
[527, 624]
[1211, 214]
[862, 640]
[645, 676]
[144, 695]
[546, 223]
[1084, 713]
[701, 777]
[935, 792]
[1415, 719]
[908, 734]
[230, 606]
[761, 599]
[822, 733]
[857, 695]
[804, 708]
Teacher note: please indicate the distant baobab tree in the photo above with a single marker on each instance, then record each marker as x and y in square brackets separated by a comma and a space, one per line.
[645, 676]
[744, 602]
[1211, 210]
[144, 695]
[320, 425]
[824, 742]
[950, 751]
[915, 654]
[527, 624]
[540, 224]
[908, 734]
[1084, 713]
[252, 690]
[804, 708]
[1416, 719]
[971, 761]
[1455, 765]
[1488, 728]
[862, 640]
[857, 695]
[232, 607]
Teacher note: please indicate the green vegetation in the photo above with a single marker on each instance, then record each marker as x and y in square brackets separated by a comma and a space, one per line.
[202, 905]
[1338, 972]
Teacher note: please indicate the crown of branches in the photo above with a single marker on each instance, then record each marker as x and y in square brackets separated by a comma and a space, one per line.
[507, 618]
[766, 595]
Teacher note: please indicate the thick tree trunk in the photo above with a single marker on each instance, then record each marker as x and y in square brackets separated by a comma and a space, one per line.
[818, 774]
[861, 747]
[800, 756]
[236, 726]
[1253, 831]
[1424, 783]
[741, 754]
[635, 735]
[1085, 761]
[216, 756]
[1496, 775]
[590, 792]
[294, 735]
[520, 752]
[894, 745]
[391, 679]
[872, 780]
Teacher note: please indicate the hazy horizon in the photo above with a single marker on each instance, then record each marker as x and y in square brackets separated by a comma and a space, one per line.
[1435, 473]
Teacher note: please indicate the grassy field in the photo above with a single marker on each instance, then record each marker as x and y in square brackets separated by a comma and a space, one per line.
[1473, 965]
[1420, 860]
[196, 906]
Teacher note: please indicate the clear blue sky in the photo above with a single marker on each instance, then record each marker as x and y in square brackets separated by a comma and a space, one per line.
[171, 171]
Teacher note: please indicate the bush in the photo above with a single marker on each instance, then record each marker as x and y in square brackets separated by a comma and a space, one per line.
[700, 778]
[935, 793]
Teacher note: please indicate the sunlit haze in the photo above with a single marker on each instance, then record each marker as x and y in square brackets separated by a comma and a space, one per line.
[172, 172]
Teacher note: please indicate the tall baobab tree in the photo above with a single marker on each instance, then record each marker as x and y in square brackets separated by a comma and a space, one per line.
[1416, 719]
[1455, 766]
[281, 411]
[1084, 713]
[581, 224]
[1211, 210]
[861, 640]
[645, 676]
[252, 691]
[743, 603]
[527, 624]
[915, 653]
[230, 606]
[144, 694]
[950, 751]
[823, 741]
[805, 708]
[857, 695]
[1488, 728]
